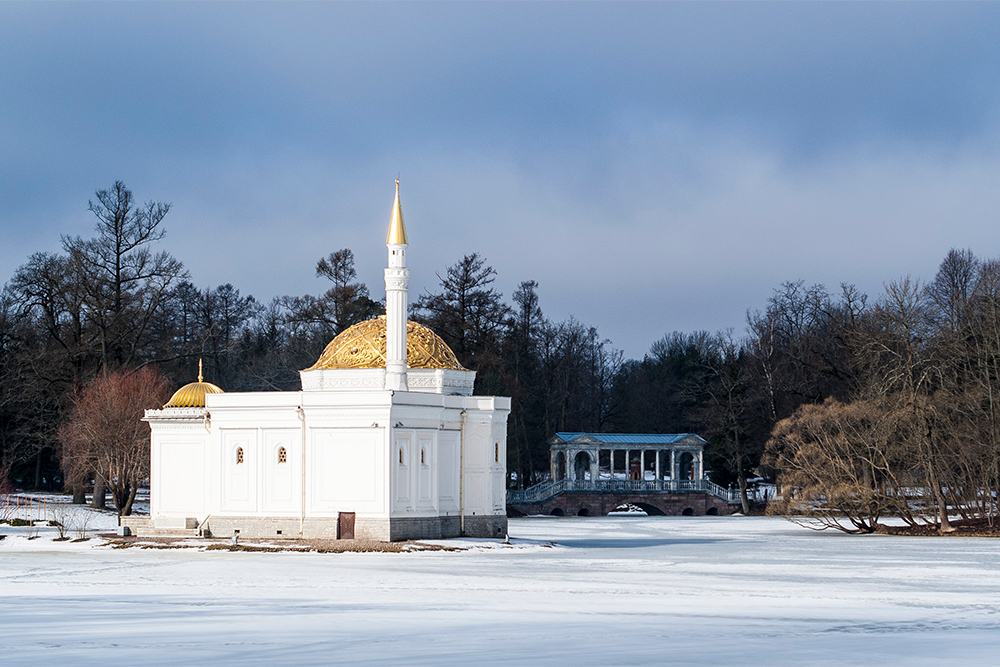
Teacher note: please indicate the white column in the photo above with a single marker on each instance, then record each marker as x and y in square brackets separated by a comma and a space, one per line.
[397, 280]
[659, 476]
[642, 465]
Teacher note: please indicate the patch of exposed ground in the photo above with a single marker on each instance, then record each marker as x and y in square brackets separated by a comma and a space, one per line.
[962, 528]
[267, 546]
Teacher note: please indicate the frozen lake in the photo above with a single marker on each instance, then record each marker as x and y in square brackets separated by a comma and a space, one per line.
[613, 591]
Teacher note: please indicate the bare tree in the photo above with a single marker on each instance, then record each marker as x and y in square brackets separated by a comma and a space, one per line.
[907, 365]
[728, 410]
[124, 281]
[344, 304]
[839, 464]
[104, 431]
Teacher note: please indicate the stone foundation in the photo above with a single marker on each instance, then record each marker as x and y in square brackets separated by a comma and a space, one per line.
[494, 525]
[325, 528]
[293, 528]
[437, 527]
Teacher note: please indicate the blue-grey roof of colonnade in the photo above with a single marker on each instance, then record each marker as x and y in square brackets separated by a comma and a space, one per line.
[630, 438]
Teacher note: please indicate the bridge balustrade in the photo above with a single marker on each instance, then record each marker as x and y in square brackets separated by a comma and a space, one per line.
[546, 490]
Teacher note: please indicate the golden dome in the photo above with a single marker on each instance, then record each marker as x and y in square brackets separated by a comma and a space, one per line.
[193, 395]
[363, 346]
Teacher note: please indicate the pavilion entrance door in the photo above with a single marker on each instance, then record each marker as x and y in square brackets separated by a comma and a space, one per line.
[345, 526]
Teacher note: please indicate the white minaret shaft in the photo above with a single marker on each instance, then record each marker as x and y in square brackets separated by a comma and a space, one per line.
[397, 279]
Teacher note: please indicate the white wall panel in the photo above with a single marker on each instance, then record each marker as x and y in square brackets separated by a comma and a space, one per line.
[281, 479]
[239, 491]
[403, 467]
[349, 470]
[425, 468]
[448, 470]
[181, 477]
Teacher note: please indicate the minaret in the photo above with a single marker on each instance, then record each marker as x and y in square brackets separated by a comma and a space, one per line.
[397, 278]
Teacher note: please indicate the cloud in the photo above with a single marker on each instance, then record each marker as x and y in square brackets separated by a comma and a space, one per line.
[686, 232]
[654, 166]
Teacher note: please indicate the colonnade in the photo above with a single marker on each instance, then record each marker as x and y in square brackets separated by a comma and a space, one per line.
[668, 462]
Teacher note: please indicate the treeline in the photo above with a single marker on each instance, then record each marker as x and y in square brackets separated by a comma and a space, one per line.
[857, 407]
[118, 301]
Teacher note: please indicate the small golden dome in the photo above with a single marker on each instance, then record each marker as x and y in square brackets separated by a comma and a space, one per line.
[193, 395]
[363, 346]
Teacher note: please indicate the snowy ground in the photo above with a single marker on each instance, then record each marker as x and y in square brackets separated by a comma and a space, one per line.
[613, 591]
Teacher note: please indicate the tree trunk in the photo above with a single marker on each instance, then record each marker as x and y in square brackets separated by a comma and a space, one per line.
[944, 525]
[79, 494]
[121, 496]
[38, 470]
[744, 501]
[128, 503]
[100, 491]
[741, 478]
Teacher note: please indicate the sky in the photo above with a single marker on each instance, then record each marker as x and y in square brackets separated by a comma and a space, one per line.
[655, 167]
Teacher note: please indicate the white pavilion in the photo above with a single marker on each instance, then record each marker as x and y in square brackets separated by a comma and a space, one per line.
[384, 441]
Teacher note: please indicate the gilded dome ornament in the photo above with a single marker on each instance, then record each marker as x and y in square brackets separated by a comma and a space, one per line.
[193, 395]
[363, 346]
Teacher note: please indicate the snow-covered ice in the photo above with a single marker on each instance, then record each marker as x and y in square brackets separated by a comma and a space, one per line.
[612, 591]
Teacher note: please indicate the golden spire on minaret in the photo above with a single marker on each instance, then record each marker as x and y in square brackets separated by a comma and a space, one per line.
[200, 377]
[397, 230]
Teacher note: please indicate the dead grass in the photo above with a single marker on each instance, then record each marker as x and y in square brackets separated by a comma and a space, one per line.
[264, 546]
[963, 528]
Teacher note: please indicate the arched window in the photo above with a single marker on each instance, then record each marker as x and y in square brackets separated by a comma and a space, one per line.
[401, 456]
[282, 455]
[239, 456]
[423, 459]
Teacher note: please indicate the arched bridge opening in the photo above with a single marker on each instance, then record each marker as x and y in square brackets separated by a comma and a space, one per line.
[650, 510]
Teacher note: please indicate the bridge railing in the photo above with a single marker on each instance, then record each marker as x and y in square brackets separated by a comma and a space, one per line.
[545, 490]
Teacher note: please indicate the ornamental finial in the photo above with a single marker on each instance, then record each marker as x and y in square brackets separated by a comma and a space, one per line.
[200, 378]
[397, 230]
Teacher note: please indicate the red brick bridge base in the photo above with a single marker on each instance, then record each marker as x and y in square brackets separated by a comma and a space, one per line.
[573, 503]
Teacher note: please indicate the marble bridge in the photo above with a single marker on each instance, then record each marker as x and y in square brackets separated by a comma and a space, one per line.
[592, 474]
[570, 497]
